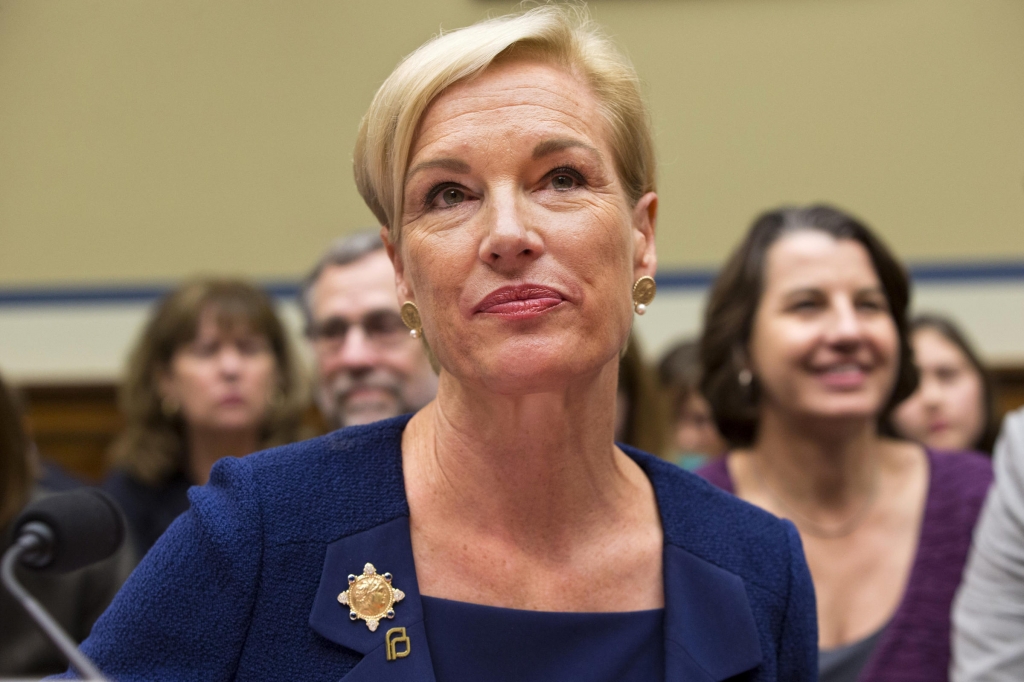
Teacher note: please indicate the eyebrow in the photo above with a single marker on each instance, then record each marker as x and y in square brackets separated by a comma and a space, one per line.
[560, 143]
[449, 164]
[816, 290]
[541, 150]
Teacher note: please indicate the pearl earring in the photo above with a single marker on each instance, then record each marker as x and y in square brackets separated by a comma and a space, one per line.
[644, 290]
[411, 318]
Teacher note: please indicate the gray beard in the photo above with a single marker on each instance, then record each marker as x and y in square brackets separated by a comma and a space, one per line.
[333, 400]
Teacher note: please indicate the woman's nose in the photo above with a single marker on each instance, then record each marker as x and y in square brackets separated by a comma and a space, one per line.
[931, 392]
[509, 241]
[845, 325]
[230, 361]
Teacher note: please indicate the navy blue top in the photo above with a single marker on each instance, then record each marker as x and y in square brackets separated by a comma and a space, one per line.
[245, 584]
[469, 643]
[148, 509]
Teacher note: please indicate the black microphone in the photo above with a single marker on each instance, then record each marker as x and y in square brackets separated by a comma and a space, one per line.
[75, 529]
[60, 533]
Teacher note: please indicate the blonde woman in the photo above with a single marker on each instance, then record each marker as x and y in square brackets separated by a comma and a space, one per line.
[498, 533]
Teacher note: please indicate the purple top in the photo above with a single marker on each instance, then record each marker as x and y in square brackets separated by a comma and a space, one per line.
[915, 644]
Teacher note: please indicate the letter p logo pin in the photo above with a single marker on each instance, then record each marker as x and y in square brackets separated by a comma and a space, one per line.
[392, 639]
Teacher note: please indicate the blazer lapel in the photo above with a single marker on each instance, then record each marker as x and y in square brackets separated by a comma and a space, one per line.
[389, 548]
[710, 632]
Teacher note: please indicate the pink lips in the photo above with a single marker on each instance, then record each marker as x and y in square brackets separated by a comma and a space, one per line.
[520, 302]
[845, 378]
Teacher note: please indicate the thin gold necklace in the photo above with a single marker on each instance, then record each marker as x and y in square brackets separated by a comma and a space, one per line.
[812, 527]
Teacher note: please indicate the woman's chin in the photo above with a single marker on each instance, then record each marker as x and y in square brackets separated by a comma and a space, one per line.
[843, 416]
[533, 372]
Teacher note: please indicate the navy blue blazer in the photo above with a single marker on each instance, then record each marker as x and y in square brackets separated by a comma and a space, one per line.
[245, 584]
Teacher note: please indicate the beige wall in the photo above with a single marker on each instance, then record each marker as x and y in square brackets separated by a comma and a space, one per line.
[142, 140]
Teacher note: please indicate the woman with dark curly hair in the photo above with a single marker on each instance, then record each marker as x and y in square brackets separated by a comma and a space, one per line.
[212, 376]
[806, 353]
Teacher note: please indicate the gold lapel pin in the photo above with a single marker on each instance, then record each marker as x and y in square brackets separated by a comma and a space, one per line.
[392, 639]
[370, 597]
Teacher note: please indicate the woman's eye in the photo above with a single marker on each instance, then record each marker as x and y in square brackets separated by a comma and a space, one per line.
[873, 305]
[563, 182]
[447, 197]
[253, 346]
[563, 179]
[453, 196]
[203, 350]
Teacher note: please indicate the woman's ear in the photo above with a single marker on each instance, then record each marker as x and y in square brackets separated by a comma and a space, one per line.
[741, 360]
[395, 254]
[645, 216]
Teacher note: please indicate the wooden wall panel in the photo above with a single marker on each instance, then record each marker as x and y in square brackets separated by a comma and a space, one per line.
[73, 425]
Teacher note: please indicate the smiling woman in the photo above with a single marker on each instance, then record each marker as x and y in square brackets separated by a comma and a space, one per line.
[499, 533]
[806, 353]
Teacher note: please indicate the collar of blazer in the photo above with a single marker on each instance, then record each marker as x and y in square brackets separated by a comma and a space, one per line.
[710, 631]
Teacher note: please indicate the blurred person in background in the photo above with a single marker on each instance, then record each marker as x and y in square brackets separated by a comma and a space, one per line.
[988, 614]
[213, 375]
[952, 408]
[695, 437]
[641, 418]
[367, 367]
[806, 353]
[74, 599]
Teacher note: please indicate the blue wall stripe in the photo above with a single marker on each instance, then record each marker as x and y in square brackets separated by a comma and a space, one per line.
[111, 294]
[931, 273]
[979, 272]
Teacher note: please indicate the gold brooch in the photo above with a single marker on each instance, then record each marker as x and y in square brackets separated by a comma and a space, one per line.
[370, 597]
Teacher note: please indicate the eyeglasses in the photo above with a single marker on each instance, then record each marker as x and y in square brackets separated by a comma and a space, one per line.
[382, 328]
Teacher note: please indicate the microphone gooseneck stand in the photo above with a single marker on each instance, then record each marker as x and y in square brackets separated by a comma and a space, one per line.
[27, 543]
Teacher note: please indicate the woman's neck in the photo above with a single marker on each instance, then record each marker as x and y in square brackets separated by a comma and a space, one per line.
[535, 468]
[820, 464]
[206, 446]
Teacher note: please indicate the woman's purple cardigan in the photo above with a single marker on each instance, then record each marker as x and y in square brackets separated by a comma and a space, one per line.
[915, 645]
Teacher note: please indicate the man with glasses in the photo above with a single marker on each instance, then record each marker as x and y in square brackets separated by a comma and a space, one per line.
[367, 366]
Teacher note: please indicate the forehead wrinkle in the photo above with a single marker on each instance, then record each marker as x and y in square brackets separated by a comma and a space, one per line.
[559, 116]
[446, 163]
[524, 93]
[560, 125]
[455, 103]
[561, 143]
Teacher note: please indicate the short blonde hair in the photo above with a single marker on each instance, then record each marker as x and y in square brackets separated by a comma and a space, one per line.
[560, 34]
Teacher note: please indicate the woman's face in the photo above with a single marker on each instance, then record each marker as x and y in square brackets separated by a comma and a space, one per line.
[695, 429]
[223, 380]
[947, 411]
[824, 344]
[518, 243]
